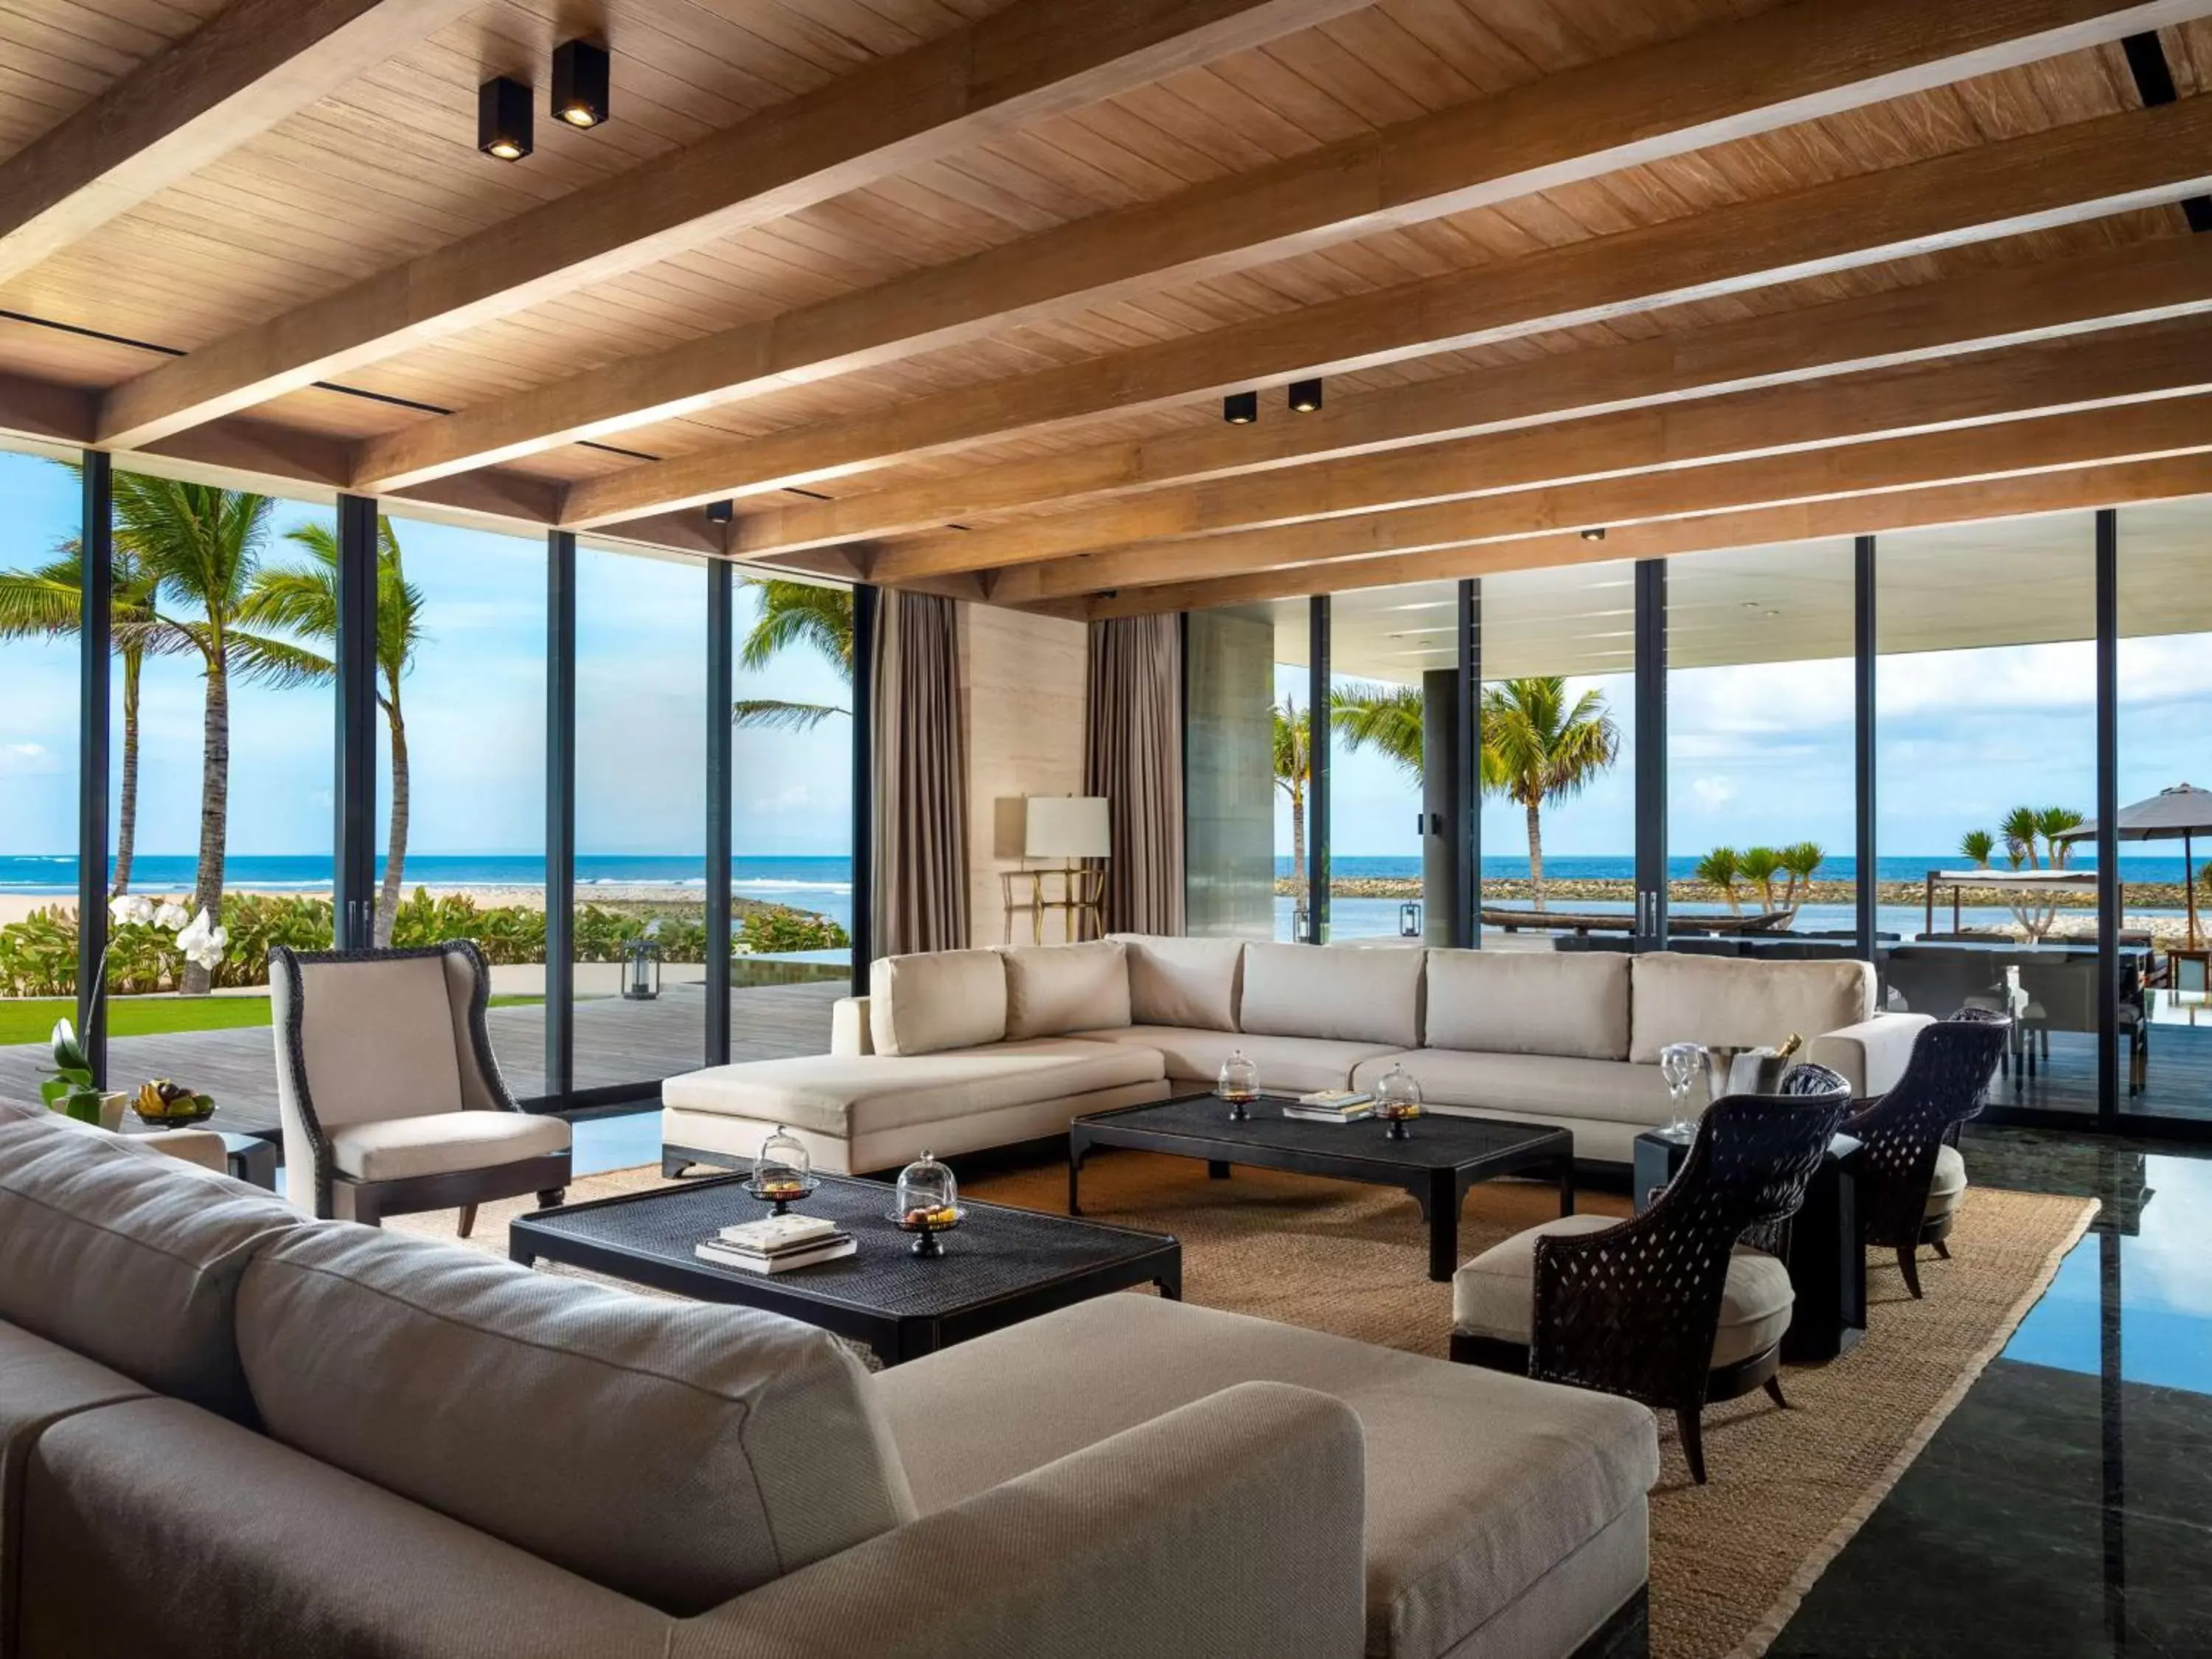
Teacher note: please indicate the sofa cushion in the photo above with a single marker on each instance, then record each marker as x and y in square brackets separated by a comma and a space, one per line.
[846, 1096]
[1183, 982]
[1572, 1003]
[1537, 1085]
[678, 1452]
[1494, 1295]
[1948, 1189]
[1477, 1483]
[921, 1004]
[378, 1038]
[1735, 1001]
[131, 1259]
[403, 1146]
[1055, 988]
[40, 1383]
[1349, 994]
[1288, 1065]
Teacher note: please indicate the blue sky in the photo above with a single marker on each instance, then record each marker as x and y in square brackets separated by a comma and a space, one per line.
[475, 712]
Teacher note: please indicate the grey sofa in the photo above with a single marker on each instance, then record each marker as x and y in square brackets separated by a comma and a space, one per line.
[226, 1429]
[965, 1049]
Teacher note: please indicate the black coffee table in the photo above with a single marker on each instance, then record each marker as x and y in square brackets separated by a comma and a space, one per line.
[1442, 1157]
[999, 1266]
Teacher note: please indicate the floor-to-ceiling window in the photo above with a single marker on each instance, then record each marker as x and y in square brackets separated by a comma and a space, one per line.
[1986, 757]
[1762, 793]
[791, 811]
[641, 832]
[1393, 689]
[1558, 728]
[2165, 794]
[40, 504]
[460, 780]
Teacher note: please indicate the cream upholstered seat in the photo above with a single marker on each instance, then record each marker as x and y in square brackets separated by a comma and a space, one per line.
[391, 1099]
[1949, 1190]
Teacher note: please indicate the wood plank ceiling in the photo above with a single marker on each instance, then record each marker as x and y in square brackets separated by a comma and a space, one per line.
[947, 293]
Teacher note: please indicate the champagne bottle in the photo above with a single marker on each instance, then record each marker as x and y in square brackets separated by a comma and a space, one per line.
[1791, 1045]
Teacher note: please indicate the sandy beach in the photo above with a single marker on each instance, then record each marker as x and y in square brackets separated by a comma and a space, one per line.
[14, 907]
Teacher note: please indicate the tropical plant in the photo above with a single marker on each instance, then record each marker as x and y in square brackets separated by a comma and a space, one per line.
[71, 1090]
[1978, 845]
[1721, 870]
[1293, 754]
[1761, 865]
[2053, 822]
[795, 614]
[1537, 748]
[2030, 838]
[303, 600]
[1386, 719]
[1799, 861]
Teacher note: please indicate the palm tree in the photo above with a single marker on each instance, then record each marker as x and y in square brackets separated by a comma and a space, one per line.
[1384, 718]
[44, 603]
[2054, 822]
[1537, 748]
[303, 600]
[1293, 768]
[1721, 869]
[2020, 830]
[795, 614]
[1762, 864]
[1978, 845]
[1799, 861]
[201, 547]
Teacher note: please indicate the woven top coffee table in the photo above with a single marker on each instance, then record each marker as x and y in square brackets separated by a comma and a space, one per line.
[999, 1266]
[1439, 1160]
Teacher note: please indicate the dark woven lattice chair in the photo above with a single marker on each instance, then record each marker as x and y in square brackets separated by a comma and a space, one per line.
[1663, 1308]
[1912, 1179]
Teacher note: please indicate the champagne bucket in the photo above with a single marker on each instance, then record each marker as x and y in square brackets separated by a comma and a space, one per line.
[1733, 1071]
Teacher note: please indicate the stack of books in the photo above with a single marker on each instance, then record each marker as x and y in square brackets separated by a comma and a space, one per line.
[777, 1244]
[1331, 1106]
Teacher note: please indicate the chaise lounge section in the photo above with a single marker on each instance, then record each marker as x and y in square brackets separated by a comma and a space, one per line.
[961, 1050]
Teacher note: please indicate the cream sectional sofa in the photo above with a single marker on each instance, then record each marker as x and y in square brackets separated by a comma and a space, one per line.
[965, 1049]
[226, 1429]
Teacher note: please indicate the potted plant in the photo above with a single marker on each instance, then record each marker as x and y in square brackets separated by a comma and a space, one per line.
[72, 1091]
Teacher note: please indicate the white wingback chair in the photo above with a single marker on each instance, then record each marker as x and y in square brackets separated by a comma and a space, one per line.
[391, 1099]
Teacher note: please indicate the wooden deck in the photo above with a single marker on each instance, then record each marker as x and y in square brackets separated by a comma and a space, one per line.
[617, 1042]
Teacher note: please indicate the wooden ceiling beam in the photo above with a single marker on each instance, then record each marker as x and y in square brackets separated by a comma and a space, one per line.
[245, 69]
[2107, 289]
[2125, 432]
[2017, 383]
[2078, 490]
[1030, 60]
[1809, 59]
[2084, 171]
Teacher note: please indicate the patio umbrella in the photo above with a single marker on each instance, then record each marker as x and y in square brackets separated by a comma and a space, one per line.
[2180, 813]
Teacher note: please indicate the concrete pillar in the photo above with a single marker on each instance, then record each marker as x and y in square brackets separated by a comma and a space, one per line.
[1440, 824]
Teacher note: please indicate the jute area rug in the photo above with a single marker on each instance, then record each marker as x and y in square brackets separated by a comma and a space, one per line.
[1730, 1560]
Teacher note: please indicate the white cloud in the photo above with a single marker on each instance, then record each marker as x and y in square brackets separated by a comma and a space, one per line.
[1713, 792]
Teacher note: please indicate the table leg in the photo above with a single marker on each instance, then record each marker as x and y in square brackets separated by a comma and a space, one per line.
[905, 1339]
[1444, 1194]
[519, 1250]
[1567, 1183]
[1169, 1279]
[1077, 1150]
[1217, 1168]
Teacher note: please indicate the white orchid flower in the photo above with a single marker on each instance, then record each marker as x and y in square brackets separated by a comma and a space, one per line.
[194, 933]
[129, 908]
[171, 915]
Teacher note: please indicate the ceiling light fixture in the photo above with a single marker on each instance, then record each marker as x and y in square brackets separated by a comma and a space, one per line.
[1305, 396]
[721, 512]
[1241, 408]
[1594, 533]
[580, 83]
[503, 118]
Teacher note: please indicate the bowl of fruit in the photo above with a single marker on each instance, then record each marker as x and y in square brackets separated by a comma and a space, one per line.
[165, 1105]
[925, 1223]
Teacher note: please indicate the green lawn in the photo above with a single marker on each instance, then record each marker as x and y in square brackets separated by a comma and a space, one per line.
[32, 1020]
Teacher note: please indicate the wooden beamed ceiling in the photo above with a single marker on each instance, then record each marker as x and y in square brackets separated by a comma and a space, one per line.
[945, 296]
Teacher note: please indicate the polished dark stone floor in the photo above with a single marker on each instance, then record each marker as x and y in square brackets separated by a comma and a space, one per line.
[2065, 1508]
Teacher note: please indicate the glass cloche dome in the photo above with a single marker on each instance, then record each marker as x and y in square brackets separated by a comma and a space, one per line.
[783, 1169]
[1238, 1083]
[1397, 1100]
[928, 1203]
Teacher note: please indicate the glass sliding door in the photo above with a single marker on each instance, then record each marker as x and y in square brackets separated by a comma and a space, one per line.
[1986, 758]
[1557, 714]
[2164, 790]
[460, 781]
[791, 806]
[1298, 851]
[639, 916]
[1394, 713]
[1762, 789]
[1231, 773]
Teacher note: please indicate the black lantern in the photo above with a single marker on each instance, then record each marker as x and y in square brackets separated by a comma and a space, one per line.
[503, 118]
[641, 969]
[1409, 919]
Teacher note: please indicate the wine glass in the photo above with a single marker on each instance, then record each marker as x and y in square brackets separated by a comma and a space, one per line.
[1678, 1063]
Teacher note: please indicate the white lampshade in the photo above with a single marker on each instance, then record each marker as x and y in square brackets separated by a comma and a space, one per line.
[1067, 827]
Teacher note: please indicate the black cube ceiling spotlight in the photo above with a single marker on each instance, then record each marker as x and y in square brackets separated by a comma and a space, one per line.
[580, 83]
[1305, 397]
[1594, 534]
[721, 512]
[503, 118]
[1241, 408]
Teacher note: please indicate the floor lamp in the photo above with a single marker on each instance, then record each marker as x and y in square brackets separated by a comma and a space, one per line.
[1069, 829]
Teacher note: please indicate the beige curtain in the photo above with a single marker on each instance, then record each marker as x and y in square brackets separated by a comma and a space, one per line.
[921, 778]
[1133, 755]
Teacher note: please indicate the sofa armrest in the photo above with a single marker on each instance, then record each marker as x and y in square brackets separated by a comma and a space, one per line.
[1871, 1054]
[848, 1027]
[1228, 1528]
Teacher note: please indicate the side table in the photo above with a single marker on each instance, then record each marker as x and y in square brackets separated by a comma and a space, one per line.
[1825, 1254]
[252, 1159]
